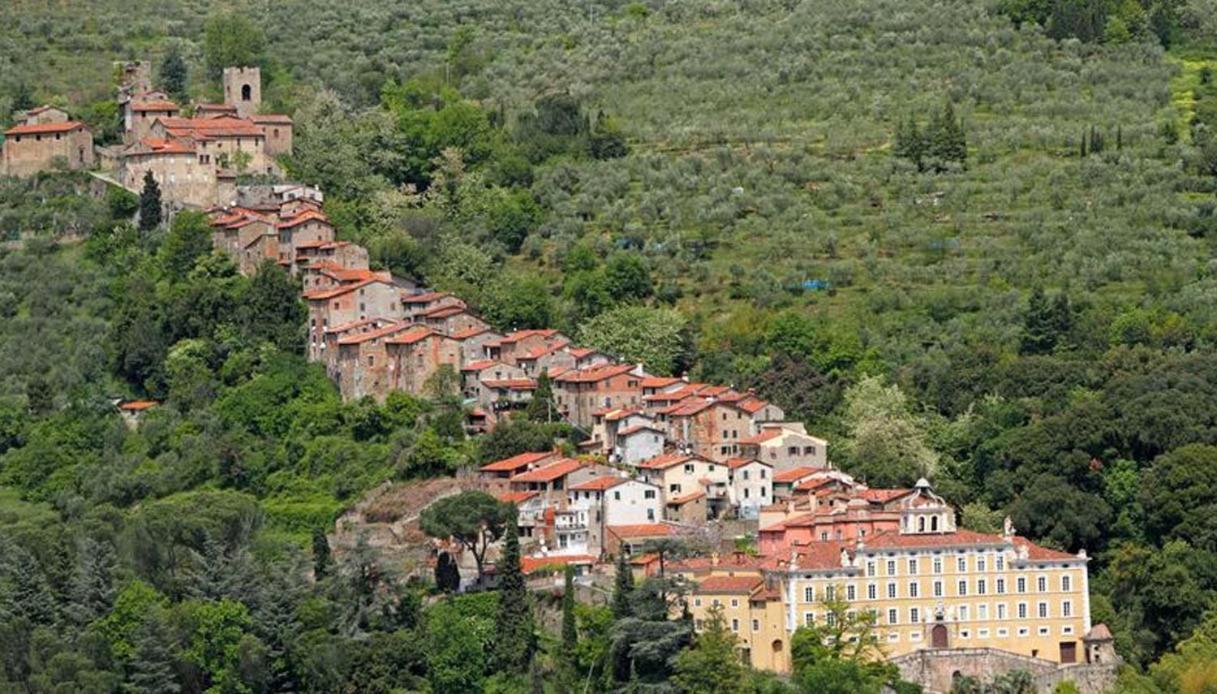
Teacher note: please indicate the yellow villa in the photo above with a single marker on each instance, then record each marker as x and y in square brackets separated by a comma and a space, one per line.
[929, 585]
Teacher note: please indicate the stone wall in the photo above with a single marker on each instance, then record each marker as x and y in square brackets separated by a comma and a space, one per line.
[935, 669]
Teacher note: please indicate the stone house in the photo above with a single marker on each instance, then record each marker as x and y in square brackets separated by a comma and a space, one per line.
[141, 112]
[451, 320]
[416, 355]
[473, 341]
[586, 357]
[342, 253]
[418, 303]
[689, 509]
[307, 226]
[36, 147]
[579, 394]
[185, 177]
[785, 445]
[363, 364]
[373, 298]
[551, 359]
[42, 115]
[329, 355]
[708, 428]
[327, 275]
[278, 131]
[512, 345]
[243, 89]
[226, 143]
[474, 374]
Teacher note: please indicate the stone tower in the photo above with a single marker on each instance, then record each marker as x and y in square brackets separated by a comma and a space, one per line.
[243, 89]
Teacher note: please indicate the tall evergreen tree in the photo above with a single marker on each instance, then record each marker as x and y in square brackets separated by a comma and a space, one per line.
[570, 637]
[447, 573]
[151, 669]
[623, 587]
[149, 204]
[30, 594]
[540, 408]
[321, 554]
[513, 628]
[91, 589]
[174, 74]
[1039, 336]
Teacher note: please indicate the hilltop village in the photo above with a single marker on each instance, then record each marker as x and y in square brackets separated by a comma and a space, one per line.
[660, 458]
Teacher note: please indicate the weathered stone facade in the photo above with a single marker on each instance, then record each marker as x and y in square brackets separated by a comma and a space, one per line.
[936, 669]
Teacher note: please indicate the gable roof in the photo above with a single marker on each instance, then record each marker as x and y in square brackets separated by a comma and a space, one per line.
[550, 472]
[305, 216]
[516, 462]
[359, 338]
[667, 460]
[322, 294]
[736, 463]
[795, 474]
[418, 333]
[599, 484]
[594, 374]
[44, 128]
[641, 530]
[728, 585]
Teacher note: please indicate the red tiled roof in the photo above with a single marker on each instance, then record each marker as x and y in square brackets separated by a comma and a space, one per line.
[682, 500]
[814, 483]
[581, 352]
[305, 216]
[1037, 553]
[321, 294]
[728, 585]
[154, 105]
[752, 405]
[817, 555]
[137, 405]
[515, 497]
[959, 537]
[355, 324]
[795, 474]
[550, 472]
[521, 334]
[221, 126]
[658, 381]
[159, 146]
[443, 311]
[735, 463]
[881, 496]
[531, 564]
[417, 333]
[599, 484]
[480, 365]
[642, 530]
[594, 374]
[470, 332]
[424, 297]
[271, 118]
[44, 128]
[637, 428]
[767, 434]
[511, 383]
[359, 338]
[516, 462]
[667, 460]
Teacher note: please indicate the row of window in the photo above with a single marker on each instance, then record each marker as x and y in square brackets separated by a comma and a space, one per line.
[938, 588]
[964, 613]
[937, 564]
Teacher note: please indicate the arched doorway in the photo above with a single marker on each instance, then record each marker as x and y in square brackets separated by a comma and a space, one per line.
[246, 92]
[938, 636]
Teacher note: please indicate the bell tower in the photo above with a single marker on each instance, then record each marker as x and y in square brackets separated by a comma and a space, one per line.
[243, 89]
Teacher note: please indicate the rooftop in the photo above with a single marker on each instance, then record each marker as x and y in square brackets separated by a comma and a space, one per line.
[550, 472]
[516, 462]
[44, 128]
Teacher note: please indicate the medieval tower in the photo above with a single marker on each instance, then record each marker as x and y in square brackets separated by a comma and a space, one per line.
[243, 89]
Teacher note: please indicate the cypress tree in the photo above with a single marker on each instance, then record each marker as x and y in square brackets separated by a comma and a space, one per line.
[1083, 150]
[174, 74]
[540, 408]
[570, 637]
[513, 627]
[149, 204]
[623, 587]
[447, 574]
[1039, 334]
[321, 554]
[30, 594]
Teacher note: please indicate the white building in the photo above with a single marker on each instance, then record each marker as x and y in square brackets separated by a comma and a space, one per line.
[751, 484]
[600, 502]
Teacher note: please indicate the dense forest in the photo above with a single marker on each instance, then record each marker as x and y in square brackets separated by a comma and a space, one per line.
[967, 240]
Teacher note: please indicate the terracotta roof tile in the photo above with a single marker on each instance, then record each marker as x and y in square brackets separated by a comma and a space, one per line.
[359, 338]
[417, 333]
[516, 462]
[641, 531]
[796, 473]
[599, 484]
[729, 585]
[549, 472]
[594, 374]
[44, 128]
[515, 497]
